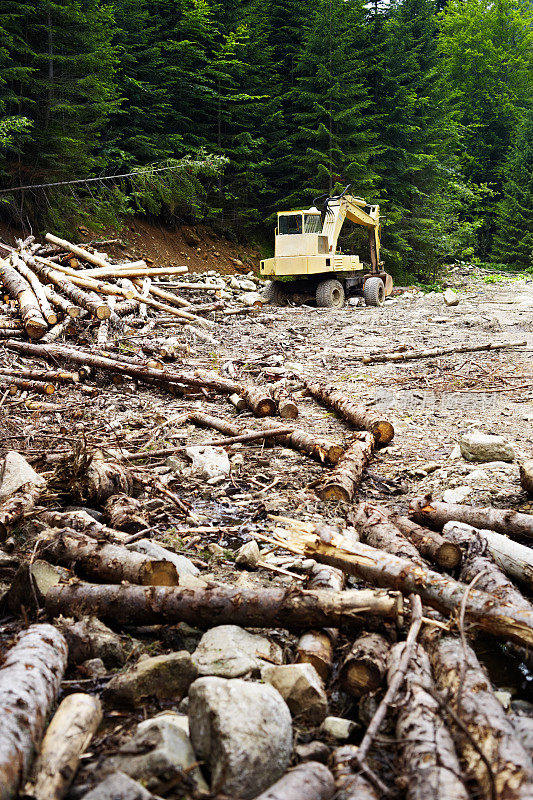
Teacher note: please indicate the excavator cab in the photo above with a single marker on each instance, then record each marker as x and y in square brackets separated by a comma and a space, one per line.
[306, 248]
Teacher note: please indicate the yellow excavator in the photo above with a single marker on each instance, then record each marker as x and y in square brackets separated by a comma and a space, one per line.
[306, 252]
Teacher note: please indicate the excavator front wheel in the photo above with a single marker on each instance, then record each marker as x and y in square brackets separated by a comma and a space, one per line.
[275, 293]
[330, 294]
[374, 292]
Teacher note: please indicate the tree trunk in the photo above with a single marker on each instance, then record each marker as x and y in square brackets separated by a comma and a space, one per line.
[469, 693]
[20, 290]
[429, 544]
[38, 289]
[436, 514]
[259, 401]
[69, 733]
[513, 558]
[348, 785]
[224, 605]
[30, 678]
[125, 513]
[360, 417]
[310, 780]
[106, 562]
[378, 531]
[97, 308]
[60, 302]
[16, 506]
[316, 646]
[526, 476]
[430, 765]
[365, 666]
[439, 591]
[287, 408]
[410, 355]
[343, 480]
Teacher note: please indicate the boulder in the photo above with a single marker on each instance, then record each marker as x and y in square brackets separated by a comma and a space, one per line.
[229, 652]
[450, 298]
[119, 786]
[248, 555]
[15, 472]
[478, 446]
[184, 565]
[166, 677]
[209, 462]
[158, 752]
[243, 732]
[302, 689]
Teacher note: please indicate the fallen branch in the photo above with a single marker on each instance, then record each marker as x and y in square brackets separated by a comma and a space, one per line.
[359, 416]
[411, 355]
[429, 544]
[342, 481]
[436, 514]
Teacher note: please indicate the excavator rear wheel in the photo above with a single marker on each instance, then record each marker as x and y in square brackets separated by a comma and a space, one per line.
[374, 292]
[330, 294]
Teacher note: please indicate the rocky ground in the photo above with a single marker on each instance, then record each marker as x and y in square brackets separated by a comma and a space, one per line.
[244, 735]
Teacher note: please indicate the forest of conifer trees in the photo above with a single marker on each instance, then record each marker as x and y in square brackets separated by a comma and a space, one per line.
[423, 106]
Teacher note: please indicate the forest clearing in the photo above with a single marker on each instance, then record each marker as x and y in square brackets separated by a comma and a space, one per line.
[253, 551]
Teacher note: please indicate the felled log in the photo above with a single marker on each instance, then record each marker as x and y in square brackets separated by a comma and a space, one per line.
[16, 506]
[377, 530]
[23, 385]
[429, 763]
[103, 561]
[311, 780]
[259, 401]
[67, 737]
[224, 605]
[506, 769]
[513, 558]
[56, 376]
[287, 408]
[438, 591]
[365, 666]
[98, 309]
[317, 447]
[349, 785]
[526, 476]
[38, 289]
[429, 544]
[359, 416]
[126, 307]
[316, 646]
[342, 481]
[167, 297]
[20, 290]
[103, 328]
[30, 678]
[436, 514]
[410, 355]
[81, 252]
[62, 303]
[125, 513]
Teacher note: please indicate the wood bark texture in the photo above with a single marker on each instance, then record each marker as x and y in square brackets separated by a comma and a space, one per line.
[377, 530]
[287, 408]
[20, 290]
[411, 355]
[259, 401]
[224, 605]
[67, 737]
[30, 678]
[125, 513]
[311, 780]
[344, 479]
[349, 785]
[316, 646]
[459, 675]
[16, 506]
[365, 666]
[38, 289]
[430, 544]
[98, 309]
[436, 514]
[359, 416]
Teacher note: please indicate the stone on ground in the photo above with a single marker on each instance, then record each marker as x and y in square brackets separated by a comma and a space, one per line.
[242, 731]
[248, 555]
[118, 786]
[450, 298]
[338, 728]
[165, 677]
[478, 446]
[456, 495]
[209, 462]
[15, 472]
[228, 651]
[302, 689]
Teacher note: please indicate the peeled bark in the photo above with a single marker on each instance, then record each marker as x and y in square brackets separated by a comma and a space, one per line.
[429, 544]
[410, 355]
[310, 780]
[69, 733]
[38, 289]
[287, 408]
[259, 401]
[223, 605]
[436, 514]
[20, 290]
[459, 675]
[526, 476]
[30, 678]
[378, 531]
[430, 765]
[126, 513]
[348, 785]
[16, 506]
[359, 416]
[106, 562]
[343, 480]
[365, 666]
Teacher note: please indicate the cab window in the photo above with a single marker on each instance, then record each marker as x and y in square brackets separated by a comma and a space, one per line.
[290, 223]
[312, 223]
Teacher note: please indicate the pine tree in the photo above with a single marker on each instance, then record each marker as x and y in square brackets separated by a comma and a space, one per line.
[514, 220]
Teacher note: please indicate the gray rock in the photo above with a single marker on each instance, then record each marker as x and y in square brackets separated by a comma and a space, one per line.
[158, 752]
[248, 555]
[338, 728]
[450, 298]
[247, 285]
[15, 472]
[184, 565]
[164, 677]
[456, 495]
[118, 786]
[244, 733]
[313, 751]
[302, 689]
[93, 668]
[478, 446]
[229, 652]
[209, 462]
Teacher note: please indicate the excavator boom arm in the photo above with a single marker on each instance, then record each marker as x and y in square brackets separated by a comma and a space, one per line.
[348, 207]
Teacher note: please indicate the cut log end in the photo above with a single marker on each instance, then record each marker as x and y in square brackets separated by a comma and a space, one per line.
[383, 431]
[36, 329]
[448, 555]
[288, 410]
[159, 573]
[335, 492]
[103, 312]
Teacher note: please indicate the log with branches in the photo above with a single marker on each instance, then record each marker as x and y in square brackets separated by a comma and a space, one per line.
[359, 416]
[436, 514]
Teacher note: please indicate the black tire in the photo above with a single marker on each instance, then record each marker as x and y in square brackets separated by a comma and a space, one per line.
[374, 292]
[275, 294]
[330, 294]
